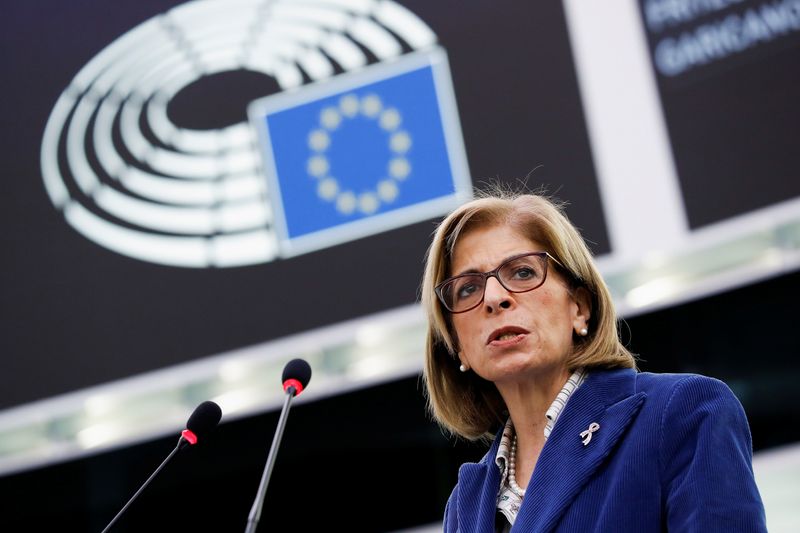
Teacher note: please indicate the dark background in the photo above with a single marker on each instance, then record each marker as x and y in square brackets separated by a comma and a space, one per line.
[88, 315]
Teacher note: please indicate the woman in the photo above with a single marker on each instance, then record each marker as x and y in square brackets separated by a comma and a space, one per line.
[523, 340]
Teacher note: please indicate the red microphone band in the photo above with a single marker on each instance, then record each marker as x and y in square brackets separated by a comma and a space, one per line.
[298, 387]
[190, 437]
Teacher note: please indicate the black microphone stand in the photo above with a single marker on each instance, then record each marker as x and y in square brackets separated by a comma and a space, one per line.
[182, 443]
[258, 504]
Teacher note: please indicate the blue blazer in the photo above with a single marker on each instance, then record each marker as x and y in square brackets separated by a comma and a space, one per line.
[673, 453]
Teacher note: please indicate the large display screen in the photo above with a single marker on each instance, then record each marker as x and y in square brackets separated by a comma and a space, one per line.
[107, 103]
[728, 79]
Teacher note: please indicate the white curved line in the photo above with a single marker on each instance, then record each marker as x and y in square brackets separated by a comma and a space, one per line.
[405, 24]
[182, 220]
[163, 218]
[202, 166]
[161, 249]
[219, 61]
[170, 163]
[76, 147]
[243, 216]
[227, 15]
[221, 33]
[168, 61]
[102, 137]
[157, 60]
[163, 189]
[323, 16]
[162, 126]
[167, 190]
[260, 63]
[375, 38]
[343, 51]
[176, 82]
[168, 76]
[122, 46]
[282, 50]
[131, 136]
[193, 193]
[227, 218]
[216, 42]
[193, 12]
[316, 65]
[241, 161]
[206, 167]
[125, 72]
[363, 7]
[241, 187]
[288, 75]
[243, 248]
[51, 174]
[295, 31]
[236, 136]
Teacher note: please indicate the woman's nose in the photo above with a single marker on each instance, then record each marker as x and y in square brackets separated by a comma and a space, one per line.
[496, 296]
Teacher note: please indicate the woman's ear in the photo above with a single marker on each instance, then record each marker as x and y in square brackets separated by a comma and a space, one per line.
[583, 309]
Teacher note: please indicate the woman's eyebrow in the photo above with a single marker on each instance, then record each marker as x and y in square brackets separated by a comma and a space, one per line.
[476, 271]
[468, 271]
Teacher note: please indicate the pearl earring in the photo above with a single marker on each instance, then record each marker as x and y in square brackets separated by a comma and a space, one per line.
[583, 332]
[462, 368]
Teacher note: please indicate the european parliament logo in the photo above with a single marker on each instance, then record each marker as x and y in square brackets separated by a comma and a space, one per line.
[363, 152]
[138, 180]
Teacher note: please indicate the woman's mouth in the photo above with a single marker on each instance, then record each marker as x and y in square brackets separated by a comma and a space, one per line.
[506, 335]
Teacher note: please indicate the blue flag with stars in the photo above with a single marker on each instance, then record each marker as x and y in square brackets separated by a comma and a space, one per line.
[363, 152]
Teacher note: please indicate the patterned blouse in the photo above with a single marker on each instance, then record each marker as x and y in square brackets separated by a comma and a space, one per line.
[508, 500]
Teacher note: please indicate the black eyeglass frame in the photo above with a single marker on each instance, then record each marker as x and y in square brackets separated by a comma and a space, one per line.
[544, 256]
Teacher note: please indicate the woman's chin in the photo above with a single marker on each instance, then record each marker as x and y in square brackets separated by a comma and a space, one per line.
[524, 369]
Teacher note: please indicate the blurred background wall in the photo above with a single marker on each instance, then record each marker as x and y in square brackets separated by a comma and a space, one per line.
[150, 264]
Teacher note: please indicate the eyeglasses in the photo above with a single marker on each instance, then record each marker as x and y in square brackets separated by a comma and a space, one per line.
[521, 273]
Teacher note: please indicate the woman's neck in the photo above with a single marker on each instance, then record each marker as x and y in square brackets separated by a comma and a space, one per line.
[528, 400]
[527, 403]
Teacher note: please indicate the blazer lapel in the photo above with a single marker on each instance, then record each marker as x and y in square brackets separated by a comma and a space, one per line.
[478, 485]
[565, 464]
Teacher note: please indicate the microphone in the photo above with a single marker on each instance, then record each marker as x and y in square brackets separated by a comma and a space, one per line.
[296, 375]
[203, 420]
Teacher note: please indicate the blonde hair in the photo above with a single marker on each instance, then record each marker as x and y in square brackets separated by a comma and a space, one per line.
[465, 403]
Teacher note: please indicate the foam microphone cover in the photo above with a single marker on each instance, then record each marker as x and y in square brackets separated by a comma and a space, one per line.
[204, 419]
[297, 369]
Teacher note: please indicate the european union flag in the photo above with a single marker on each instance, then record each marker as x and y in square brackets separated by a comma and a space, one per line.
[363, 152]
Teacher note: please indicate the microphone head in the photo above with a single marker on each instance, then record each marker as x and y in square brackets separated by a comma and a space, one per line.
[202, 422]
[297, 374]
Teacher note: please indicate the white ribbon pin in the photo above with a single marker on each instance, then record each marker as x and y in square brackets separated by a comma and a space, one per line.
[587, 435]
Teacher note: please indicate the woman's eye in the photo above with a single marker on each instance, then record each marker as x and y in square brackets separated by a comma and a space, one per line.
[524, 273]
[466, 290]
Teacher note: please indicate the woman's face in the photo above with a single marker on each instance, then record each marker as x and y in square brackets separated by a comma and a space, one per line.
[514, 336]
